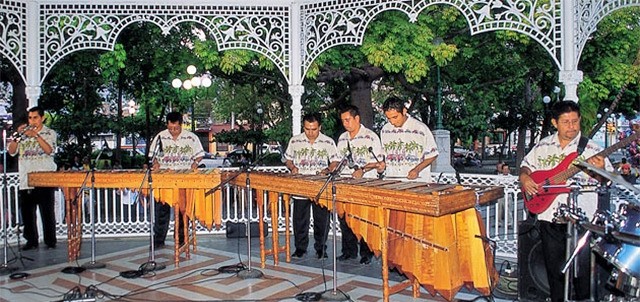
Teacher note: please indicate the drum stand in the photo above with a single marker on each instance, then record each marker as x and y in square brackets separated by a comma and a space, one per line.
[334, 294]
[575, 244]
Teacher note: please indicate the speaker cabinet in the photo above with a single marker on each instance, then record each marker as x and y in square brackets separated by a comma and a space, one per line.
[532, 275]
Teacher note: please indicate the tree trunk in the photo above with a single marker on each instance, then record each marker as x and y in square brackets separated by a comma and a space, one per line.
[520, 147]
[361, 98]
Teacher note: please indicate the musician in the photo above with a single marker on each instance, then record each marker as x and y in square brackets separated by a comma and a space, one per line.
[546, 155]
[310, 153]
[181, 150]
[408, 143]
[36, 145]
[354, 144]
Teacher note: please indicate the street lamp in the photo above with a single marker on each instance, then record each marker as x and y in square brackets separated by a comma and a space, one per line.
[194, 82]
[437, 41]
[132, 108]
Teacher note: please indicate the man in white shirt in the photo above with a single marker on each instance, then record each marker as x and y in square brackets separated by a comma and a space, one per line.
[546, 155]
[364, 152]
[36, 148]
[408, 143]
[181, 150]
[310, 153]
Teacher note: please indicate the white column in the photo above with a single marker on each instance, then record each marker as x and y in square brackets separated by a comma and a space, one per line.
[295, 67]
[32, 89]
[569, 75]
[296, 108]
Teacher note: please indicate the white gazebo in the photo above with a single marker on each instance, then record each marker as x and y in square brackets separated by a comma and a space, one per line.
[36, 34]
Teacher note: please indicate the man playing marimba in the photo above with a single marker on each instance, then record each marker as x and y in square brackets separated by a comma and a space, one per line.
[359, 144]
[408, 143]
[181, 150]
[310, 153]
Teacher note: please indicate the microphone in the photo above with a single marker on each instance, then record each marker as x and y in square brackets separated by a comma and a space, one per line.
[380, 175]
[160, 149]
[350, 162]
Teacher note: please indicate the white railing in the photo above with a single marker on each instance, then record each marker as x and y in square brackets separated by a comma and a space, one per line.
[119, 214]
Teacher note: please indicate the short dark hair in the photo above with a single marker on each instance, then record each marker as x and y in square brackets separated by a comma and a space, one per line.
[37, 109]
[562, 107]
[353, 110]
[174, 117]
[312, 117]
[393, 103]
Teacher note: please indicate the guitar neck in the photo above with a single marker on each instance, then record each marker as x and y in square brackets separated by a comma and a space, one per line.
[573, 169]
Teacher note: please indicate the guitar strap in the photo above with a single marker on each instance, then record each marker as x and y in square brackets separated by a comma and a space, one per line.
[582, 144]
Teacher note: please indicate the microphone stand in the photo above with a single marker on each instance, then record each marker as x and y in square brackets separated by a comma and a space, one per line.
[250, 273]
[152, 265]
[93, 264]
[334, 294]
[83, 188]
[5, 269]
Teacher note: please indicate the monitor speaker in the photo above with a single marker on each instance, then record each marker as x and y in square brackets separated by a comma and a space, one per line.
[532, 275]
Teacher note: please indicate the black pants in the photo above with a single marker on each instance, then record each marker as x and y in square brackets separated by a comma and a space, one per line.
[161, 227]
[554, 243]
[44, 199]
[301, 219]
[350, 241]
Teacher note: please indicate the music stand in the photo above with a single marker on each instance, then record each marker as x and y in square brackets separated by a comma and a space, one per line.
[5, 269]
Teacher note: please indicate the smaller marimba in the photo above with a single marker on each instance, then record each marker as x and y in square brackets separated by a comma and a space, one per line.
[169, 186]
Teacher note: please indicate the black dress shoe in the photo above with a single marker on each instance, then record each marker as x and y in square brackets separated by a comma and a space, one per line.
[51, 246]
[30, 246]
[320, 254]
[365, 260]
[298, 253]
[344, 257]
[158, 244]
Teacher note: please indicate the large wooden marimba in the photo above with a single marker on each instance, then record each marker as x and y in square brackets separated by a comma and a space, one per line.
[169, 186]
[430, 232]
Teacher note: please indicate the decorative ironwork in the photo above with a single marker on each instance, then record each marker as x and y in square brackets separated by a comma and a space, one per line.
[13, 38]
[68, 28]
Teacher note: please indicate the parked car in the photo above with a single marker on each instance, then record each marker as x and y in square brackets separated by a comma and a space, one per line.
[210, 161]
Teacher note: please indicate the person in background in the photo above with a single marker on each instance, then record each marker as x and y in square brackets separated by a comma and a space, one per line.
[310, 153]
[628, 174]
[181, 150]
[35, 148]
[355, 144]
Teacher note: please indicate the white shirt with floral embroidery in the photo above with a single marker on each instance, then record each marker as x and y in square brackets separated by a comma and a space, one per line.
[33, 158]
[407, 146]
[180, 153]
[547, 154]
[359, 146]
[311, 158]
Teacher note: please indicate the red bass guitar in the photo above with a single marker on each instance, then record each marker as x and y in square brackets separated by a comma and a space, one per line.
[539, 202]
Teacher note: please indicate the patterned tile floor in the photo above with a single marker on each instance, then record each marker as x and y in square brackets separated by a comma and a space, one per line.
[196, 279]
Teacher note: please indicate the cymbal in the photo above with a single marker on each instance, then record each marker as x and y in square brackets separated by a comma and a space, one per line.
[626, 237]
[617, 179]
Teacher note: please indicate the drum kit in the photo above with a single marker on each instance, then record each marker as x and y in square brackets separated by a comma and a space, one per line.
[614, 237]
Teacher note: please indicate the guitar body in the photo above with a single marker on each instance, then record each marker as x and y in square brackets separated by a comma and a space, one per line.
[538, 203]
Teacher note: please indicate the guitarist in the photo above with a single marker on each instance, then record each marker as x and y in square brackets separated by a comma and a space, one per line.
[546, 155]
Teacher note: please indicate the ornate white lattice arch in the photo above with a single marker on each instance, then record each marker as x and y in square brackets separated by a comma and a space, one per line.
[36, 34]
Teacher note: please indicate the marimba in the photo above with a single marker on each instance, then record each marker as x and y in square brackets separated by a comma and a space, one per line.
[168, 186]
[430, 232]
